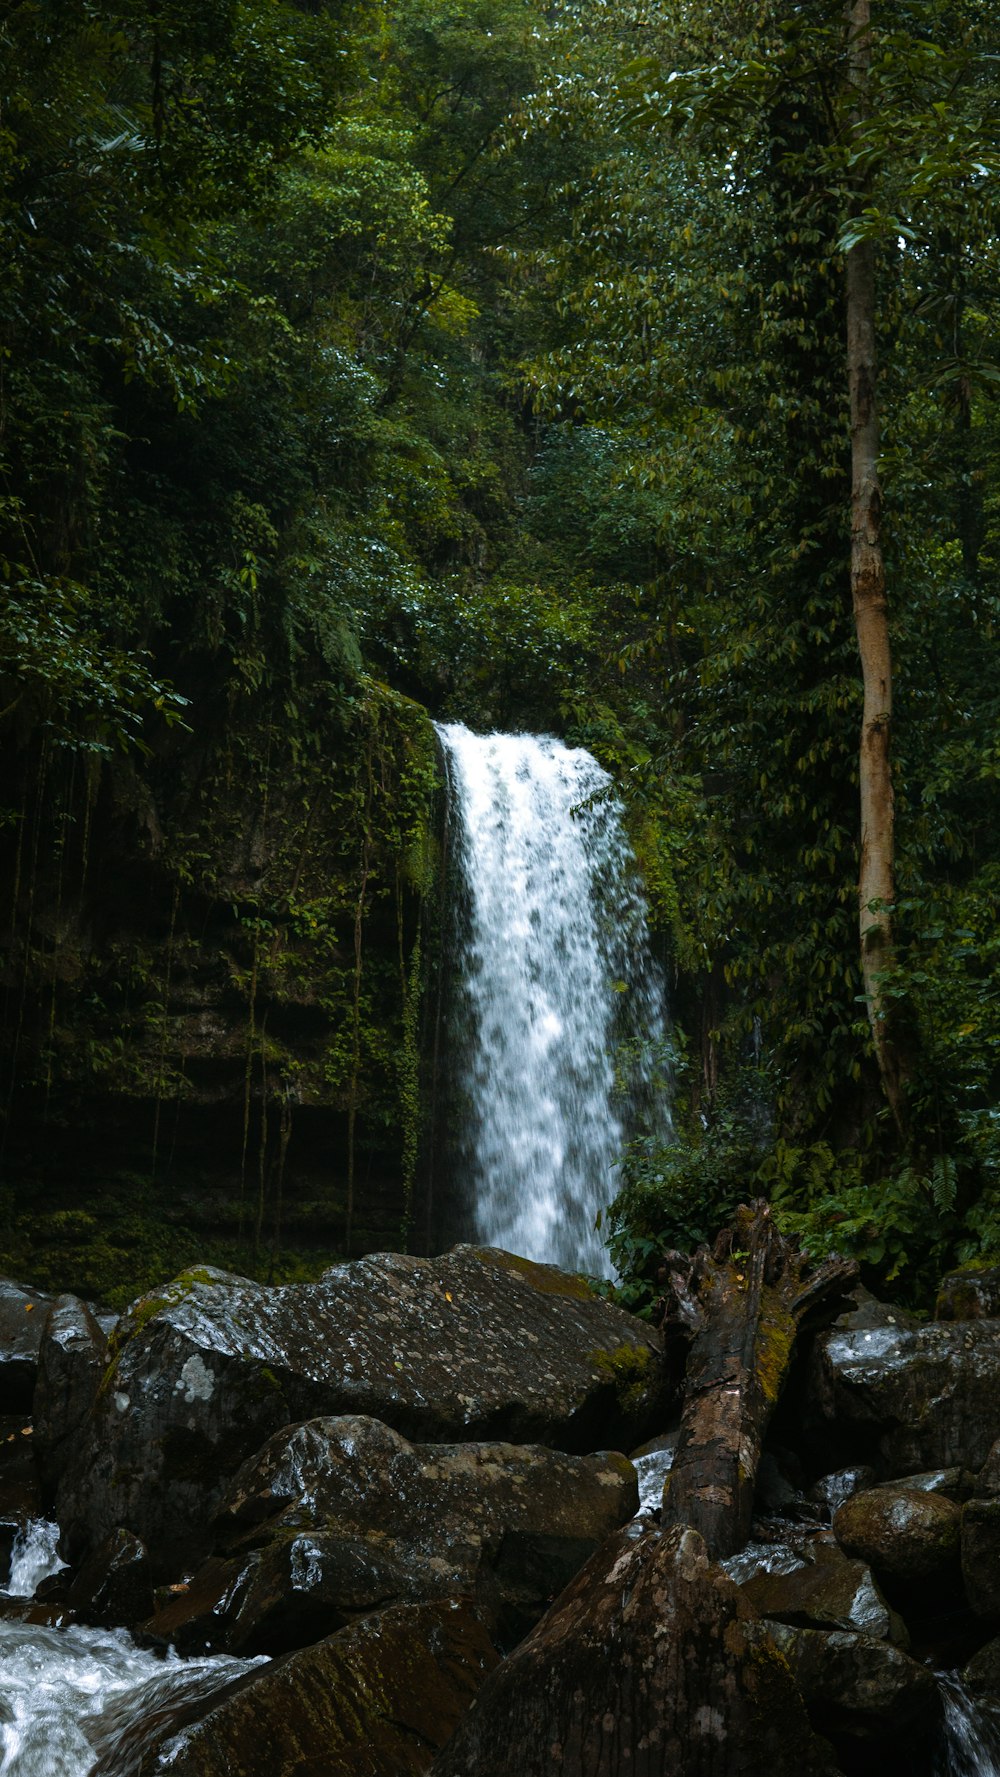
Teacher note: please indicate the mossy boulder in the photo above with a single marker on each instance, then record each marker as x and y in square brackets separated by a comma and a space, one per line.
[650, 1662]
[905, 1399]
[379, 1697]
[982, 1674]
[339, 1516]
[460, 1348]
[981, 1556]
[829, 1591]
[971, 1293]
[906, 1535]
[860, 1689]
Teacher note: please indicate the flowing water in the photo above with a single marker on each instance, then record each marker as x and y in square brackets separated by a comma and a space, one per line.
[560, 1009]
[970, 1744]
[69, 1696]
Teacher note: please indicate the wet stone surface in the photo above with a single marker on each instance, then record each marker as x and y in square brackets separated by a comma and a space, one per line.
[908, 1400]
[469, 1346]
[907, 1536]
[342, 1515]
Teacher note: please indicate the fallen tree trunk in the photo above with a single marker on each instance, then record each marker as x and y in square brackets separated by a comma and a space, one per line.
[742, 1304]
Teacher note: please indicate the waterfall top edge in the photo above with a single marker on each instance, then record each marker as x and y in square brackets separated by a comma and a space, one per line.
[456, 737]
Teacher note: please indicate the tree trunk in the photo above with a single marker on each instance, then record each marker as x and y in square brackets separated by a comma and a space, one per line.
[743, 1302]
[876, 874]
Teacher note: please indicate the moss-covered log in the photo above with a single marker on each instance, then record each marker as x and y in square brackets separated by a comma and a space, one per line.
[742, 1303]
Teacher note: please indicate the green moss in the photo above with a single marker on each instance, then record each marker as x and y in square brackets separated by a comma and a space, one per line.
[143, 1311]
[774, 1355]
[543, 1278]
[628, 1367]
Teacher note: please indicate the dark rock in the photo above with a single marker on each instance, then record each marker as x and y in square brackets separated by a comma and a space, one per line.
[832, 1490]
[114, 1587]
[908, 1536]
[342, 1515]
[907, 1400]
[777, 1492]
[293, 1591]
[981, 1556]
[30, 1610]
[832, 1592]
[987, 1481]
[72, 1359]
[858, 1687]
[471, 1345]
[22, 1314]
[8, 1533]
[20, 1494]
[972, 1293]
[982, 1674]
[648, 1663]
[375, 1700]
[868, 1312]
[948, 1481]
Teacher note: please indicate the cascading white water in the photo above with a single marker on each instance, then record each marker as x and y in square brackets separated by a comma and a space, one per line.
[33, 1558]
[73, 1695]
[970, 1732]
[553, 970]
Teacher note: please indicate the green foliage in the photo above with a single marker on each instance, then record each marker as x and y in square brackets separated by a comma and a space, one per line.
[361, 361]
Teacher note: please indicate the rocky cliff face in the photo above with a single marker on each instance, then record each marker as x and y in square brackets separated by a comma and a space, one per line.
[214, 978]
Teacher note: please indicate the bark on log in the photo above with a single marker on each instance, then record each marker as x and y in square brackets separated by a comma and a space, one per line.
[742, 1304]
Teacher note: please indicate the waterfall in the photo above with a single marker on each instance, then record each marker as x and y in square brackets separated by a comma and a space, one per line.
[559, 1009]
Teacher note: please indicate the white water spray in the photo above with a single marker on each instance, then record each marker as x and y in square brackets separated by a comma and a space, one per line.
[554, 969]
[970, 1732]
[71, 1696]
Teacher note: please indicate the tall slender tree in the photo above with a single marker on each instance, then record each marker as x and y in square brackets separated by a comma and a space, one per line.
[876, 858]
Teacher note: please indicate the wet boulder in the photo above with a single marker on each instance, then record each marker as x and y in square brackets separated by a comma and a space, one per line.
[981, 1556]
[951, 1482]
[20, 1495]
[22, 1316]
[474, 1344]
[379, 1697]
[341, 1515]
[860, 1689]
[650, 1662]
[971, 1293]
[832, 1490]
[114, 1586]
[72, 1358]
[907, 1536]
[827, 1592]
[982, 1674]
[906, 1399]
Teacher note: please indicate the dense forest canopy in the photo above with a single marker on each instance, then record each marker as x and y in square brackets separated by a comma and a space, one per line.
[494, 360]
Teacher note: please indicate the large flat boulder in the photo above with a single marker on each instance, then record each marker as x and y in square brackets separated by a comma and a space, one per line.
[376, 1700]
[650, 1662]
[907, 1399]
[473, 1345]
[343, 1515]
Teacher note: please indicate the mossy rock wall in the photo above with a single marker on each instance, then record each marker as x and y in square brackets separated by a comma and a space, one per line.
[215, 979]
